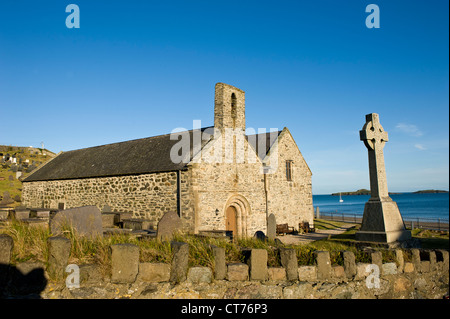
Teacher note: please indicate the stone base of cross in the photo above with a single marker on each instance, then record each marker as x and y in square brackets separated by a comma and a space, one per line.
[382, 221]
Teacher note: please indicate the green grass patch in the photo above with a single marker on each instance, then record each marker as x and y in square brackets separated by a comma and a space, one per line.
[327, 224]
[30, 244]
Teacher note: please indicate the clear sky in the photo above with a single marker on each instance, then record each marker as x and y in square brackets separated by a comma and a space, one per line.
[136, 69]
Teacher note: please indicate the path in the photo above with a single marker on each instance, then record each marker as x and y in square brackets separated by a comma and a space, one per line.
[310, 237]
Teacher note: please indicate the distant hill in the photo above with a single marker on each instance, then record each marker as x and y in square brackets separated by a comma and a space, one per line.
[5, 149]
[430, 191]
[16, 162]
[362, 191]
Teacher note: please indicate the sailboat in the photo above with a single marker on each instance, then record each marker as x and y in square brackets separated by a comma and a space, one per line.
[340, 198]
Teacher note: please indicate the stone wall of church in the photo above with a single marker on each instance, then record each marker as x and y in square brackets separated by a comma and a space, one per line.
[206, 190]
[215, 186]
[147, 196]
[290, 201]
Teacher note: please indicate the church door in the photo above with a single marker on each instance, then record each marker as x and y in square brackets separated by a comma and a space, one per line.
[231, 224]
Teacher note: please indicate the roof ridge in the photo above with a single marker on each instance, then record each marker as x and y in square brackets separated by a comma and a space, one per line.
[136, 139]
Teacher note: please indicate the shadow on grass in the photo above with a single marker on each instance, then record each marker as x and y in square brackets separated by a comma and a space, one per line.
[434, 243]
[20, 284]
[426, 243]
[326, 225]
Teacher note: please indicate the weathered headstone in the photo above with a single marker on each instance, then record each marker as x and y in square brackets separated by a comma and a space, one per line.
[168, 225]
[257, 263]
[179, 267]
[220, 268]
[108, 220]
[323, 264]
[40, 213]
[317, 212]
[86, 220]
[124, 263]
[21, 213]
[271, 227]
[349, 263]
[382, 221]
[137, 224]
[260, 236]
[107, 209]
[6, 200]
[58, 255]
[4, 213]
[288, 259]
[6, 246]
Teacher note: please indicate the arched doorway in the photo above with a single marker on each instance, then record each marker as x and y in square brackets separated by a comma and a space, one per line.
[237, 209]
[231, 219]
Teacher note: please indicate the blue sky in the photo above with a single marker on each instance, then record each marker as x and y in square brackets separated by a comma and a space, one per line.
[141, 68]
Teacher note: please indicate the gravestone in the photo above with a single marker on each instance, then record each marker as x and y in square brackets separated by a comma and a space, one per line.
[86, 220]
[317, 212]
[382, 221]
[167, 225]
[21, 213]
[6, 200]
[137, 224]
[179, 266]
[260, 236]
[40, 213]
[107, 209]
[271, 227]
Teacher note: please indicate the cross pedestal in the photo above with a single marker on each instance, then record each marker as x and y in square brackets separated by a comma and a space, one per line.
[382, 221]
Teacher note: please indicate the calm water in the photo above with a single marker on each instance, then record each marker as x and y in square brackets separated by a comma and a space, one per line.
[410, 205]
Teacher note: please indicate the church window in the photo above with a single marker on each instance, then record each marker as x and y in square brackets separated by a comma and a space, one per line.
[289, 170]
[233, 105]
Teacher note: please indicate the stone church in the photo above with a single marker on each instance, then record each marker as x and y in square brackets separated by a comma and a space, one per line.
[215, 178]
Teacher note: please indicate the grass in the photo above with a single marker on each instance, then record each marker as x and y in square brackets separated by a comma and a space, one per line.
[326, 224]
[30, 244]
[432, 239]
[14, 187]
[429, 239]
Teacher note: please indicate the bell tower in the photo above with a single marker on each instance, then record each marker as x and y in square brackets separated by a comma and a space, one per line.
[229, 107]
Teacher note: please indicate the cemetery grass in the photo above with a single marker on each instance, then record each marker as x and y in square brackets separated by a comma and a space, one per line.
[14, 187]
[429, 239]
[30, 245]
[432, 239]
[326, 224]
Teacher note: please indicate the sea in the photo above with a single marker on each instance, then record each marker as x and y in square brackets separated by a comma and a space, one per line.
[411, 205]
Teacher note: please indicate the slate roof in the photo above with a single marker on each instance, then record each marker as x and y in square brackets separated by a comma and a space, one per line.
[146, 155]
[141, 156]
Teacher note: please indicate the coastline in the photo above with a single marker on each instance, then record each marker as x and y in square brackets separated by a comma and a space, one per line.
[409, 222]
[367, 192]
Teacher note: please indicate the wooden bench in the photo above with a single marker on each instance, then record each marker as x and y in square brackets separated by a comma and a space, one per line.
[306, 227]
[284, 229]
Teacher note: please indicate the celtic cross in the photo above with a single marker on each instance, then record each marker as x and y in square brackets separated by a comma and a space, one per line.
[374, 137]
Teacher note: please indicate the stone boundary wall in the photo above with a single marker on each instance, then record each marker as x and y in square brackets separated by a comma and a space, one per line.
[424, 275]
